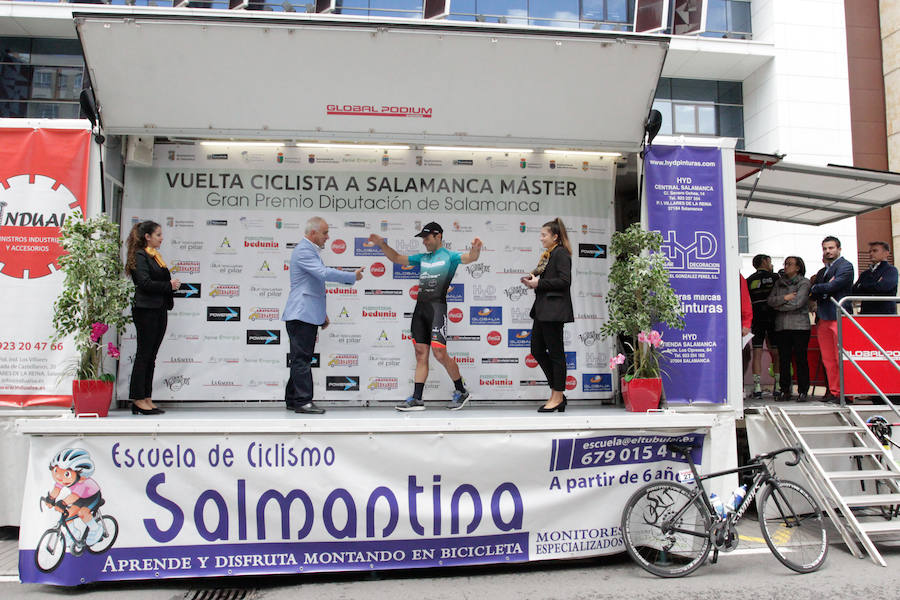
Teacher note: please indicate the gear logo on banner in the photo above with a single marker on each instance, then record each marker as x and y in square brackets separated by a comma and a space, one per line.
[32, 209]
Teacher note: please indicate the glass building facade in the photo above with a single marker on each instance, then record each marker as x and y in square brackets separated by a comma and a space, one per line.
[41, 78]
[701, 107]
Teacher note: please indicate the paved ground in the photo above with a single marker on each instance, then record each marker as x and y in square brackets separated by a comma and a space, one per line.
[842, 576]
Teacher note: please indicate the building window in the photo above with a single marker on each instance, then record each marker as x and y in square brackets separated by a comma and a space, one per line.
[700, 107]
[728, 19]
[615, 15]
[395, 9]
[725, 18]
[40, 78]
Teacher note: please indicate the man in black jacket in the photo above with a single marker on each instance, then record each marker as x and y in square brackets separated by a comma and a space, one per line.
[880, 279]
[760, 284]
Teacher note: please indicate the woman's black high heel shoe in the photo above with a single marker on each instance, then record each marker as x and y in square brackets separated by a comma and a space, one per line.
[137, 410]
[561, 407]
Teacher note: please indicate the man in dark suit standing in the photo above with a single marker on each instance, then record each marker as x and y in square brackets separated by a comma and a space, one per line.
[835, 282]
[880, 279]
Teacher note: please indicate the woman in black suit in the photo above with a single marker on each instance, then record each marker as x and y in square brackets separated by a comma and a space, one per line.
[551, 281]
[153, 288]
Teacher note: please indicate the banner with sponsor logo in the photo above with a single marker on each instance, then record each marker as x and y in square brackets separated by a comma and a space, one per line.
[684, 203]
[875, 365]
[209, 505]
[43, 178]
[232, 217]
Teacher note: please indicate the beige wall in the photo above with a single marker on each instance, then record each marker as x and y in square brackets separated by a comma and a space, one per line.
[890, 51]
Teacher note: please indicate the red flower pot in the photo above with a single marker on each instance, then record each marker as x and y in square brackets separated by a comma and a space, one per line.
[92, 396]
[641, 395]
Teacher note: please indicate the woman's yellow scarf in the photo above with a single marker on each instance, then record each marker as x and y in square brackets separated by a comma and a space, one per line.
[545, 258]
[156, 255]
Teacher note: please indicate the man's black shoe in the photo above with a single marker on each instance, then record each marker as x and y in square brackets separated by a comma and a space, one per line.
[290, 406]
[309, 409]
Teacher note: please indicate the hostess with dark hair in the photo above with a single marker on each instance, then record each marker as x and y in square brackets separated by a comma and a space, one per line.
[153, 298]
[551, 281]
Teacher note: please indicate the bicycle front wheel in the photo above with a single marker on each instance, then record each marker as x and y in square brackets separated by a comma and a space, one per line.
[50, 550]
[792, 525]
[665, 526]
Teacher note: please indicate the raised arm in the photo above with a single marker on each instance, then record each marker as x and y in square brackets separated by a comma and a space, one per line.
[473, 253]
[389, 253]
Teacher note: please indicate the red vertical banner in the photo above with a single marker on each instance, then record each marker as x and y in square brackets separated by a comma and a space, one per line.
[43, 179]
[884, 330]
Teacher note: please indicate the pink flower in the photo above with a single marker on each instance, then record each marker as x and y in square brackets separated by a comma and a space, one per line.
[112, 350]
[642, 337]
[97, 331]
[616, 360]
[655, 338]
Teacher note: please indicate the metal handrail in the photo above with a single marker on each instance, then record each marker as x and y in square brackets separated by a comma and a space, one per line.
[841, 353]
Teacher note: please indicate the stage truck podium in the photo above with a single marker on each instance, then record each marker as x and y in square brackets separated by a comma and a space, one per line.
[227, 482]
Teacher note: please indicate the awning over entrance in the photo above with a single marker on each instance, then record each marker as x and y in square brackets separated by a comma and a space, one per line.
[218, 74]
[768, 188]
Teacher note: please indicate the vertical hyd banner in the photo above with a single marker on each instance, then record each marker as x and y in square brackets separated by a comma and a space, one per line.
[684, 203]
[43, 178]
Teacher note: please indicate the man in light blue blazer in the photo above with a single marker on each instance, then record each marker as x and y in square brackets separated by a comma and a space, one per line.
[304, 312]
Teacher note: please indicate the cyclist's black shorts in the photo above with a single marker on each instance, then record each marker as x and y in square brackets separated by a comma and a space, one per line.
[763, 330]
[90, 502]
[429, 323]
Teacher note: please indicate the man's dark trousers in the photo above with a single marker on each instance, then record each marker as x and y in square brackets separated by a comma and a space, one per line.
[299, 390]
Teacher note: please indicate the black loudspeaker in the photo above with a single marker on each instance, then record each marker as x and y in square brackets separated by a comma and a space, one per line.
[651, 127]
[88, 105]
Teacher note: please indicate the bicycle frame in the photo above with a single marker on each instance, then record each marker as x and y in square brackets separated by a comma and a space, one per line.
[65, 519]
[758, 465]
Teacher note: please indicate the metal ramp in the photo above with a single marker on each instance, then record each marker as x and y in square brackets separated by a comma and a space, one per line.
[848, 470]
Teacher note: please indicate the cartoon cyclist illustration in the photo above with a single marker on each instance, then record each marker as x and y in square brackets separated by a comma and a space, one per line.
[71, 469]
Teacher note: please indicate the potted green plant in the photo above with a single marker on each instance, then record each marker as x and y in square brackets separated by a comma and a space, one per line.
[93, 300]
[640, 295]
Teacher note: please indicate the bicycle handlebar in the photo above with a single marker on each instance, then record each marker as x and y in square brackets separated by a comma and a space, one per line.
[685, 450]
[62, 506]
[791, 463]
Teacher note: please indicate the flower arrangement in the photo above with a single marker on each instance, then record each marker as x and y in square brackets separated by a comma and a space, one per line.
[645, 356]
[640, 296]
[95, 294]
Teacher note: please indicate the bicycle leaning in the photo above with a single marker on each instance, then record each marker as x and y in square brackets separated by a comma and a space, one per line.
[51, 548]
[669, 528]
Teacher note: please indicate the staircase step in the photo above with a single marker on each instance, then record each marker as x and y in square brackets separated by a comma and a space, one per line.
[831, 429]
[813, 410]
[856, 451]
[858, 475]
[872, 500]
[876, 527]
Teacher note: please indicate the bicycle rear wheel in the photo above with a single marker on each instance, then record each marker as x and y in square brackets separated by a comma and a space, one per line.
[666, 529]
[793, 526]
[110, 533]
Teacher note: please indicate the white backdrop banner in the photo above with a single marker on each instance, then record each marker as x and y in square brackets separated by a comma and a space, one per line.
[214, 505]
[231, 217]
